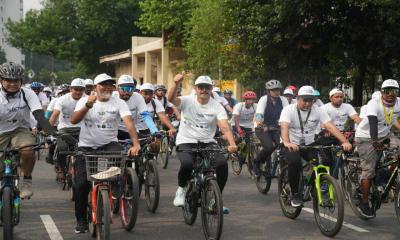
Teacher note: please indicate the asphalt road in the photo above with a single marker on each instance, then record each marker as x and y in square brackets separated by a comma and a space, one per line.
[50, 215]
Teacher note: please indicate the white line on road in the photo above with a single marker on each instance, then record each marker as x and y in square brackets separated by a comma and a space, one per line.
[348, 225]
[51, 227]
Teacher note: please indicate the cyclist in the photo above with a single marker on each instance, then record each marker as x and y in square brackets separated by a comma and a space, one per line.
[37, 87]
[317, 101]
[216, 94]
[289, 95]
[228, 96]
[269, 109]
[89, 86]
[243, 115]
[48, 92]
[381, 114]
[298, 123]
[200, 116]
[63, 110]
[137, 106]
[16, 105]
[101, 114]
[160, 91]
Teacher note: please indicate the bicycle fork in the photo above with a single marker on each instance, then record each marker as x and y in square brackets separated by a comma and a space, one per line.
[319, 171]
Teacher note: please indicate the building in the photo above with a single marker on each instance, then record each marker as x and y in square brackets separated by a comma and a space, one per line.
[10, 10]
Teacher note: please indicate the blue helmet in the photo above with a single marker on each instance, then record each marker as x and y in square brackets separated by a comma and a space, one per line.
[36, 85]
[316, 93]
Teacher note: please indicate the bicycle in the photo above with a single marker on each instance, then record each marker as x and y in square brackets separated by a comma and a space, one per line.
[10, 200]
[203, 191]
[66, 171]
[378, 191]
[166, 146]
[318, 185]
[245, 155]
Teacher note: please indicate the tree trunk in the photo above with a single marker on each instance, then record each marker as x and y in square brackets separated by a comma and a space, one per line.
[358, 86]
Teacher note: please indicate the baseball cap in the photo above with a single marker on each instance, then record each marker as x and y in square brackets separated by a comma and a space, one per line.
[102, 78]
[216, 89]
[147, 86]
[334, 91]
[47, 89]
[390, 83]
[78, 82]
[89, 81]
[126, 79]
[306, 91]
[203, 80]
[288, 92]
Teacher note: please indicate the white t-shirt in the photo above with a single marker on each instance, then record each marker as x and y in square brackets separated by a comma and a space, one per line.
[339, 115]
[14, 112]
[66, 105]
[363, 111]
[162, 101]
[44, 100]
[199, 122]
[246, 115]
[262, 104]
[100, 124]
[294, 101]
[318, 103]
[141, 125]
[375, 108]
[52, 104]
[290, 115]
[136, 105]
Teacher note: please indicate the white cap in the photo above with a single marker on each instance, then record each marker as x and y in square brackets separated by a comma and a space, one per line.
[306, 91]
[58, 91]
[102, 78]
[78, 82]
[334, 91]
[216, 89]
[89, 81]
[203, 80]
[47, 89]
[376, 95]
[390, 83]
[288, 92]
[125, 79]
[147, 86]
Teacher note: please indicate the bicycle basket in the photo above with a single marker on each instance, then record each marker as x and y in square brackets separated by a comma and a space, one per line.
[99, 164]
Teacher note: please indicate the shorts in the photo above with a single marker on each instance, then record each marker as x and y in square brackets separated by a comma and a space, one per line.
[17, 138]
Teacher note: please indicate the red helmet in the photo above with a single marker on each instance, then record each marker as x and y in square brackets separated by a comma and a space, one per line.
[249, 95]
[293, 88]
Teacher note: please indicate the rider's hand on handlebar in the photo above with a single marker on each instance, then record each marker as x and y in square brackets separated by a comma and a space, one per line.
[347, 146]
[378, 146]
[171, 132]
[51, 139]
[232, 148]
[291, 146]
[134, 150]
[241, 132]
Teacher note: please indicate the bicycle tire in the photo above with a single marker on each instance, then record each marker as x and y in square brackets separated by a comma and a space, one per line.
[284, 193]
[8, 226]
[92, 226]
[131, 186]
[263, 182]
[152, 181]
[189, 211]
[235, 163]
[103, 215]
[397, 201]
[215, 209]
[164, 152]
[339, 205]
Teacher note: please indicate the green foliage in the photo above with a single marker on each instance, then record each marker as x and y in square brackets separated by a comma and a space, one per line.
[2, 56]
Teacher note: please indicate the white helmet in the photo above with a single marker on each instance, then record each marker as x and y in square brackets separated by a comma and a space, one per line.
[88, 81]
[47, 89]
[390, 83]
[147, 86]
[306, 91]
[126, 79]
[273, 84]
[288, 91]
[216, 89]
[78, 82]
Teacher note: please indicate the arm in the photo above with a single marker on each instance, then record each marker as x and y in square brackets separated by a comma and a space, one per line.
[373, 127]
[164, 120]
[134, 150]
[226, 131]
[54, 117]
[227, 107]
[237, 123]
[177, 113]
[149, 121]
[172, 91]
[39, 116]
[335, 132]
[356, 118]
[285, 132]
[77, 116]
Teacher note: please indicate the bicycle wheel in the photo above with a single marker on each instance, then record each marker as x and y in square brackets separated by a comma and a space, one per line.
[103, 216]
[92, 226]
[164, 152]
[211, 210]
[236, 165]
[129, 201]
[330, 213]
[8, 226]
[397, 201]
[263, 182]
[152, 186]
[284, 192]
[189, 210]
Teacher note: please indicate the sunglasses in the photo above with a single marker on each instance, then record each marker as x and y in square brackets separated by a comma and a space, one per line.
[204, 87]
[308, 100]
[128, 89]
[391, 90]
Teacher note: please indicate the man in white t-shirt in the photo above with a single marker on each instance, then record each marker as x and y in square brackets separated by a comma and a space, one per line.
[159, 93]
[137, 106]
[200, 116]
[243, 115]
[298, 123]
[62, 112]
[16, 105]
[381, 114]
[100, 114]
[89, 86]
[289, 95]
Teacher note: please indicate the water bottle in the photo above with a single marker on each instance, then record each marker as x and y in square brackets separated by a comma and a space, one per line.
[17, 204]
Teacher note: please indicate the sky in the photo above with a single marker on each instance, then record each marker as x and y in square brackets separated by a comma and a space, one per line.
[31, 4]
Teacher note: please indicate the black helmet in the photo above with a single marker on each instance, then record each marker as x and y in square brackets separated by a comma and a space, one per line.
[12, 71]
[160, 87]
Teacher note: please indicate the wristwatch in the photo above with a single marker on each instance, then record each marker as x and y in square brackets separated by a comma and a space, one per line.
[88, 105]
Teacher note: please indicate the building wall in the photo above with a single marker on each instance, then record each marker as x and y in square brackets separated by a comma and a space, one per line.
[123, 68]
[13, 10]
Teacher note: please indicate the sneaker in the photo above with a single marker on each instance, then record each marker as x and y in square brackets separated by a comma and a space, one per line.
[81, 226]
[179, 200]
[26, 189]
[365, 210]
[226, 210]
[297, 200]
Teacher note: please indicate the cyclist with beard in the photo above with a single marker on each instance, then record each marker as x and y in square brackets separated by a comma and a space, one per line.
[381, 114]
[101, 113]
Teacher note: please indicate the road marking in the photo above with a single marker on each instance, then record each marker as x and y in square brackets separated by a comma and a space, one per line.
[51, 227]
[348, 225]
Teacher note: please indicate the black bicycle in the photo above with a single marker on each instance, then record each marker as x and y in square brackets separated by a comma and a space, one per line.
[245, 155]
[203, 191]
[10, 198]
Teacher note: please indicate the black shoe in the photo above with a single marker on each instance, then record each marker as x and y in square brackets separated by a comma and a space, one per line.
[81, 226]
[365, 210]
[297, 200]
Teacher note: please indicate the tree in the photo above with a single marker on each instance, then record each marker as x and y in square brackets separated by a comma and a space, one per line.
[2, 56]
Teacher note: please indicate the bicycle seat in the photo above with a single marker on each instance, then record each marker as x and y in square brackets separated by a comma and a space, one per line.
[108, 174]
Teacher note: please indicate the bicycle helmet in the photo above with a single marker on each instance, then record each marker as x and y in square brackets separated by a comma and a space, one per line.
[273, 84]
[291, 87]
[160, 87]
[228, 91]
[36, 85]
[64, 87]
[249, 95]
[11, 71]
[316, 93]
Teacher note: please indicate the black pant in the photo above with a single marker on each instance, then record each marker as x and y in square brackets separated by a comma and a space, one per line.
[82, 185]
[63, 145]
[187, 159]
[269, 140]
